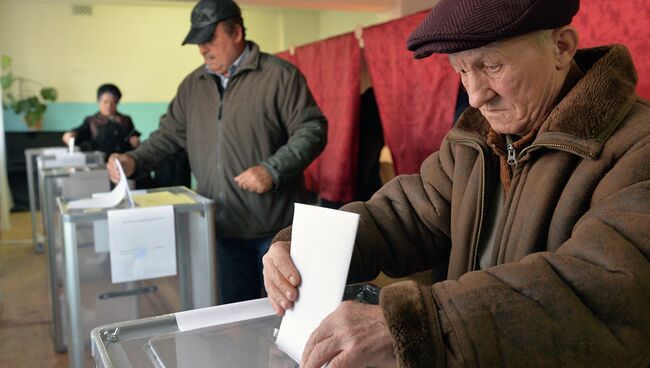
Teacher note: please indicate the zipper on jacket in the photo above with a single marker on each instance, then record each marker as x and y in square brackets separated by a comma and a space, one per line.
[475, 246]
[553, 145]
[512, 154]
[220, 110]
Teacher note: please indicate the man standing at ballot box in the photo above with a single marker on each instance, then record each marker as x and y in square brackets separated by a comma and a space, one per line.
[535, 210]
[250, 126]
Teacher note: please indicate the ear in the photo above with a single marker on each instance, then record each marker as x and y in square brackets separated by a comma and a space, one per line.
[238, 34]
[565, 44]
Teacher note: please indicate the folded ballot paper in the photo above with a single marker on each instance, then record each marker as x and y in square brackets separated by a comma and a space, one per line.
[112, 199]
[321, 248]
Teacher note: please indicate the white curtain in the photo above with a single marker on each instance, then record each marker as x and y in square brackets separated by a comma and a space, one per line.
[5, 194]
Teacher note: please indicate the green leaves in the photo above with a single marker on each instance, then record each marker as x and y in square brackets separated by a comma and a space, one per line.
[6, 80]
[18, 97]
[49, 94]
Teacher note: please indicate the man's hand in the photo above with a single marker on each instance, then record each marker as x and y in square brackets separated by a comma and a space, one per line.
[256, 179]
[67, 136]
[128, 164]
[280, 277]
[354, 335]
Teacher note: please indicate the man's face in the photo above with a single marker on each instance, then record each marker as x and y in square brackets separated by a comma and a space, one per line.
[222, 50]
[107, 104]
[513, 82]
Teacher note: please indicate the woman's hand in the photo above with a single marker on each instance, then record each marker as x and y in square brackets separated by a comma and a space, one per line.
[67, 136]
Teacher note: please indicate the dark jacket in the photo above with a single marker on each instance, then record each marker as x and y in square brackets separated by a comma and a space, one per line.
[570, 281]
[266, 116]
[106, 134]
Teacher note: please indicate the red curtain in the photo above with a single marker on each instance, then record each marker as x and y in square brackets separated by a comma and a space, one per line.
[285, 55]
[416, 98]
[623, 21]
[332, 68]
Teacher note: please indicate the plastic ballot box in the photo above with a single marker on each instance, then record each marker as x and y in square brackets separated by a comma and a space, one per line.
[231, 335]
[57, 157]
[68, 181]
[114, 261]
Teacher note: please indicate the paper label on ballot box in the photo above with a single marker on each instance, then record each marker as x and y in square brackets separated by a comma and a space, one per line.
[142, 243]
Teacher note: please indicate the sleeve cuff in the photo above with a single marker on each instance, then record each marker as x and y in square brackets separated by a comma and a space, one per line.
[412, 318]
[275, 175]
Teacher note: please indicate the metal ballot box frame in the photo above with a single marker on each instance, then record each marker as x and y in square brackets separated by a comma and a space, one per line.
[91, 299]
[31, 155]
[67, 182]
[239, 342]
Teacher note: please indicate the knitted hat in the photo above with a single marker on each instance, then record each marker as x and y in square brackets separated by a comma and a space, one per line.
[458, 25]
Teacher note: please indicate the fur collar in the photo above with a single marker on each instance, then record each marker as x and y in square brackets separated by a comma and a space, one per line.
[590, 111]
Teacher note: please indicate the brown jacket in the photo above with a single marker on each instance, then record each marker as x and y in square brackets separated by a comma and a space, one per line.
[570, 285]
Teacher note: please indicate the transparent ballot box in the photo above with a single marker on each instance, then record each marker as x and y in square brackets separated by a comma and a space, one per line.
[231, 335]
[93, 299]
[68, 182]
[58, 156]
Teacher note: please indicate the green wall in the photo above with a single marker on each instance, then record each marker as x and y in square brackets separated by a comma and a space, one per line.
[66, 115]
[136, 45]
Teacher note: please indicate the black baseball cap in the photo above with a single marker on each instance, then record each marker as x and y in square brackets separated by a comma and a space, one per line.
[205, 17]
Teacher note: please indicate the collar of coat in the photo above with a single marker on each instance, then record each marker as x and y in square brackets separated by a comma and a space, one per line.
[587, 115]
[251, 62]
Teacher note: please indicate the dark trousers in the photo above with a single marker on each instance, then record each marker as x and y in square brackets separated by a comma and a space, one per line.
[239, 268]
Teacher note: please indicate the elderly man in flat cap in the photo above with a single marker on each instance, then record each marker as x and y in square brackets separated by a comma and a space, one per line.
[537, 206]
[249, 125]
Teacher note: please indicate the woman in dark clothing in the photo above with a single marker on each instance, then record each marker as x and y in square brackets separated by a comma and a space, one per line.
[108, 130]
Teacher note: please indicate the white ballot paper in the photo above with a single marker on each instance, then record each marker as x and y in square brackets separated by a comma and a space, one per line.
[321, 247]
[107, 201]
[71, 145]
[222, 314]
[142, 243]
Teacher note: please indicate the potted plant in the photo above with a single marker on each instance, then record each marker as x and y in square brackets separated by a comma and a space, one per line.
[18, 96]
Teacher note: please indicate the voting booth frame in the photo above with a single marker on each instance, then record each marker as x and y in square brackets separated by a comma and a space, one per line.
[55, 182]
[92, 299]
[51, 155]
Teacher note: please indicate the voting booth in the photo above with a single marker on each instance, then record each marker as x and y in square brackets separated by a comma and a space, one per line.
[231, 335]
[67, 181]
[56, 157]
[151, 254]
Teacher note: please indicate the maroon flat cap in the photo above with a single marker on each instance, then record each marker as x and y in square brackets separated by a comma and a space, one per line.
[458, 25]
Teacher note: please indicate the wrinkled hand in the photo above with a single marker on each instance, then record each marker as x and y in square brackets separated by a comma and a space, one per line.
[281, 278]
[66, 137]
[256, 179]
[128, 164]
[354, 335]
[134, 141]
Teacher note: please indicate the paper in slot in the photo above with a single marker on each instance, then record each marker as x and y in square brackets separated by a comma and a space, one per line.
[71, 145]
[112, 199]
[321, 248]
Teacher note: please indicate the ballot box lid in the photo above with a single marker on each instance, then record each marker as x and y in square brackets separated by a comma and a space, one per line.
[181, 198]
